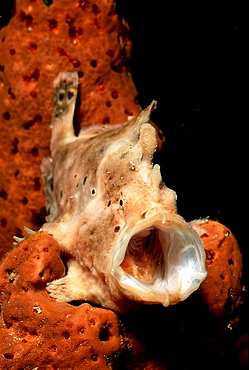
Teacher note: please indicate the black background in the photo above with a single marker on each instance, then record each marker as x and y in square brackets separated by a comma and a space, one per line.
[192, 58]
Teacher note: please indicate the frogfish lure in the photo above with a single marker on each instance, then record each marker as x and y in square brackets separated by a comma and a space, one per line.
[116, 221]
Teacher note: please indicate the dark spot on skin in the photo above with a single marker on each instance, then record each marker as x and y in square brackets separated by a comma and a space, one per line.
[17, 173]
[109, 203]
[124, 155]
[80, 74]
[92, 231]
[222, 276]
[70, 95]
[61, 193]
[84, 181]
[101, 151]
[108, 103]
[121, 202]
[12, 51]
[93, 191]
[61, 96]
[51, 183]
[116, 229]
[230, 262]
[1, 68]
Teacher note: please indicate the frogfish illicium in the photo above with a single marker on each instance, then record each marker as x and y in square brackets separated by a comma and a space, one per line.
[123, 241]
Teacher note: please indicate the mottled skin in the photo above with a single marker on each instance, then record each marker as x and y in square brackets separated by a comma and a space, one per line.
[101, 189]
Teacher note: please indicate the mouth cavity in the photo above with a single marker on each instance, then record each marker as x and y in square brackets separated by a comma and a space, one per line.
[144, 258]
[160, 264]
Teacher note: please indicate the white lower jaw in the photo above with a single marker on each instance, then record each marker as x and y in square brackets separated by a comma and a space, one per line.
[183, 257]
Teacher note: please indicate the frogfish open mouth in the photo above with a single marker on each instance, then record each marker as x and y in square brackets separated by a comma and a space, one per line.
[116, 221]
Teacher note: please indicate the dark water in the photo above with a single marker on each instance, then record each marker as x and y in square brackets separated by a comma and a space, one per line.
[193, 60]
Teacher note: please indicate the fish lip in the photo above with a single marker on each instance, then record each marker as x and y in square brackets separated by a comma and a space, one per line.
[161, 290]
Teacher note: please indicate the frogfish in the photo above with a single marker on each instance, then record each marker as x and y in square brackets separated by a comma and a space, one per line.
[124, 244]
